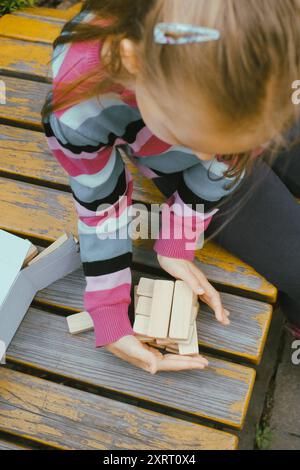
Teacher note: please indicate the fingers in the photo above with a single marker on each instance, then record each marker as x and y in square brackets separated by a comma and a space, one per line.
[192, 281]
[172, 362]
[212, 297]
[197, 357]
[151, 360]
[216, 305]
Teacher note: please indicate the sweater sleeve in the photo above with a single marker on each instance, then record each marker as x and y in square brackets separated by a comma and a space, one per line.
[84, 139]
[193, 187]
[185, 217]
[191, 208]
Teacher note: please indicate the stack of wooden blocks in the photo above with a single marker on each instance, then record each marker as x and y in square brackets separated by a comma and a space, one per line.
[165, 315]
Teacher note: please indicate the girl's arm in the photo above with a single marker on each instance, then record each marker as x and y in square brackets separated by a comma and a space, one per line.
[191, 208]
[193, 197]
[87, 149]
[194, 188]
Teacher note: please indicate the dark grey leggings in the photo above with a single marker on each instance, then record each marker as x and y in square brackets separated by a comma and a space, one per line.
[265, 232]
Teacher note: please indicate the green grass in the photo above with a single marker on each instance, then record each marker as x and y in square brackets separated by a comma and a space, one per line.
[7, 6]
[263, 437]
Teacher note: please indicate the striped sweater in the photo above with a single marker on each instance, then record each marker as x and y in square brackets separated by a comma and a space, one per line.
[87, 139]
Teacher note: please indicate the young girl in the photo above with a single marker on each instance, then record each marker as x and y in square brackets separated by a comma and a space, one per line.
[198, 94]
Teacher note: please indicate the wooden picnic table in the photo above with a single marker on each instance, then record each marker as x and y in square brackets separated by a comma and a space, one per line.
[59, 391]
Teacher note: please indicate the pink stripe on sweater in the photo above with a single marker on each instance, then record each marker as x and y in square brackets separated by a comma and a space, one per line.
[97, 299]
[178, 249]
[79, 167]
[108, 281]
[55, 145]
[175, 227]
[111, 322]
[154, 146]
[141, 139]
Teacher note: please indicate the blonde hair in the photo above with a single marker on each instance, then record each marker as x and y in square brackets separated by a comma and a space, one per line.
[247, 73]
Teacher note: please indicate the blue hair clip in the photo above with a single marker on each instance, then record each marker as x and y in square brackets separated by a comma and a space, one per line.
[163, 33]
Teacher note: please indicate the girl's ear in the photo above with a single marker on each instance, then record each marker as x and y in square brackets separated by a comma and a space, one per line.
[128, 51]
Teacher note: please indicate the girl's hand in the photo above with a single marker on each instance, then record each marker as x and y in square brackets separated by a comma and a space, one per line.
[194, 277]
[130, 349]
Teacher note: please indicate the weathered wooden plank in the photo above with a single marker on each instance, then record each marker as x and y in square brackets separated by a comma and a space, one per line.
[6, 445]
[46, 213]
[55, 16]
[22, 205]
[48, 14]
[16, 56]
[29, 29]
[244, 338]
[74, 420]
[74, 8]
[24, 101]
[23, 154]
[221, 267]
[220, 393]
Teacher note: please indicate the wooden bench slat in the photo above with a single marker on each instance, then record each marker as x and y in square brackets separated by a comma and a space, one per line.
[24, 101]
[16, 56]
[57, 17]
[49, 13]
[244, 338]
[45, 213]
[70, 419]
[74, 9]
[221, 393]
[29, 29]
[23, 153]
[6, 445]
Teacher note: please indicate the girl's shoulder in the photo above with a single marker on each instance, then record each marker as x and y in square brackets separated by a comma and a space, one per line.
[71, 61]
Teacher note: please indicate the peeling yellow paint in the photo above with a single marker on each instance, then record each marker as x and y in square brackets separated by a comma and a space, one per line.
[232, 374]
[15, 55]
[237, 407]
[261, 319]
[205, 438]
[28, 29]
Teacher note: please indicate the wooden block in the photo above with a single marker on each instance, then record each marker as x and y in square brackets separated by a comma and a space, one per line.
[157, 346]
[165, 342]
[182, 311]
[32, 252]
[145, 287]
[50, 248]
[141, 325]
[145, 339]
[144, 306]
[161, 309]
[195, 313]
[173, 349]
[135, 298]
[80, 322]
[187, 341]
[192, 347]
